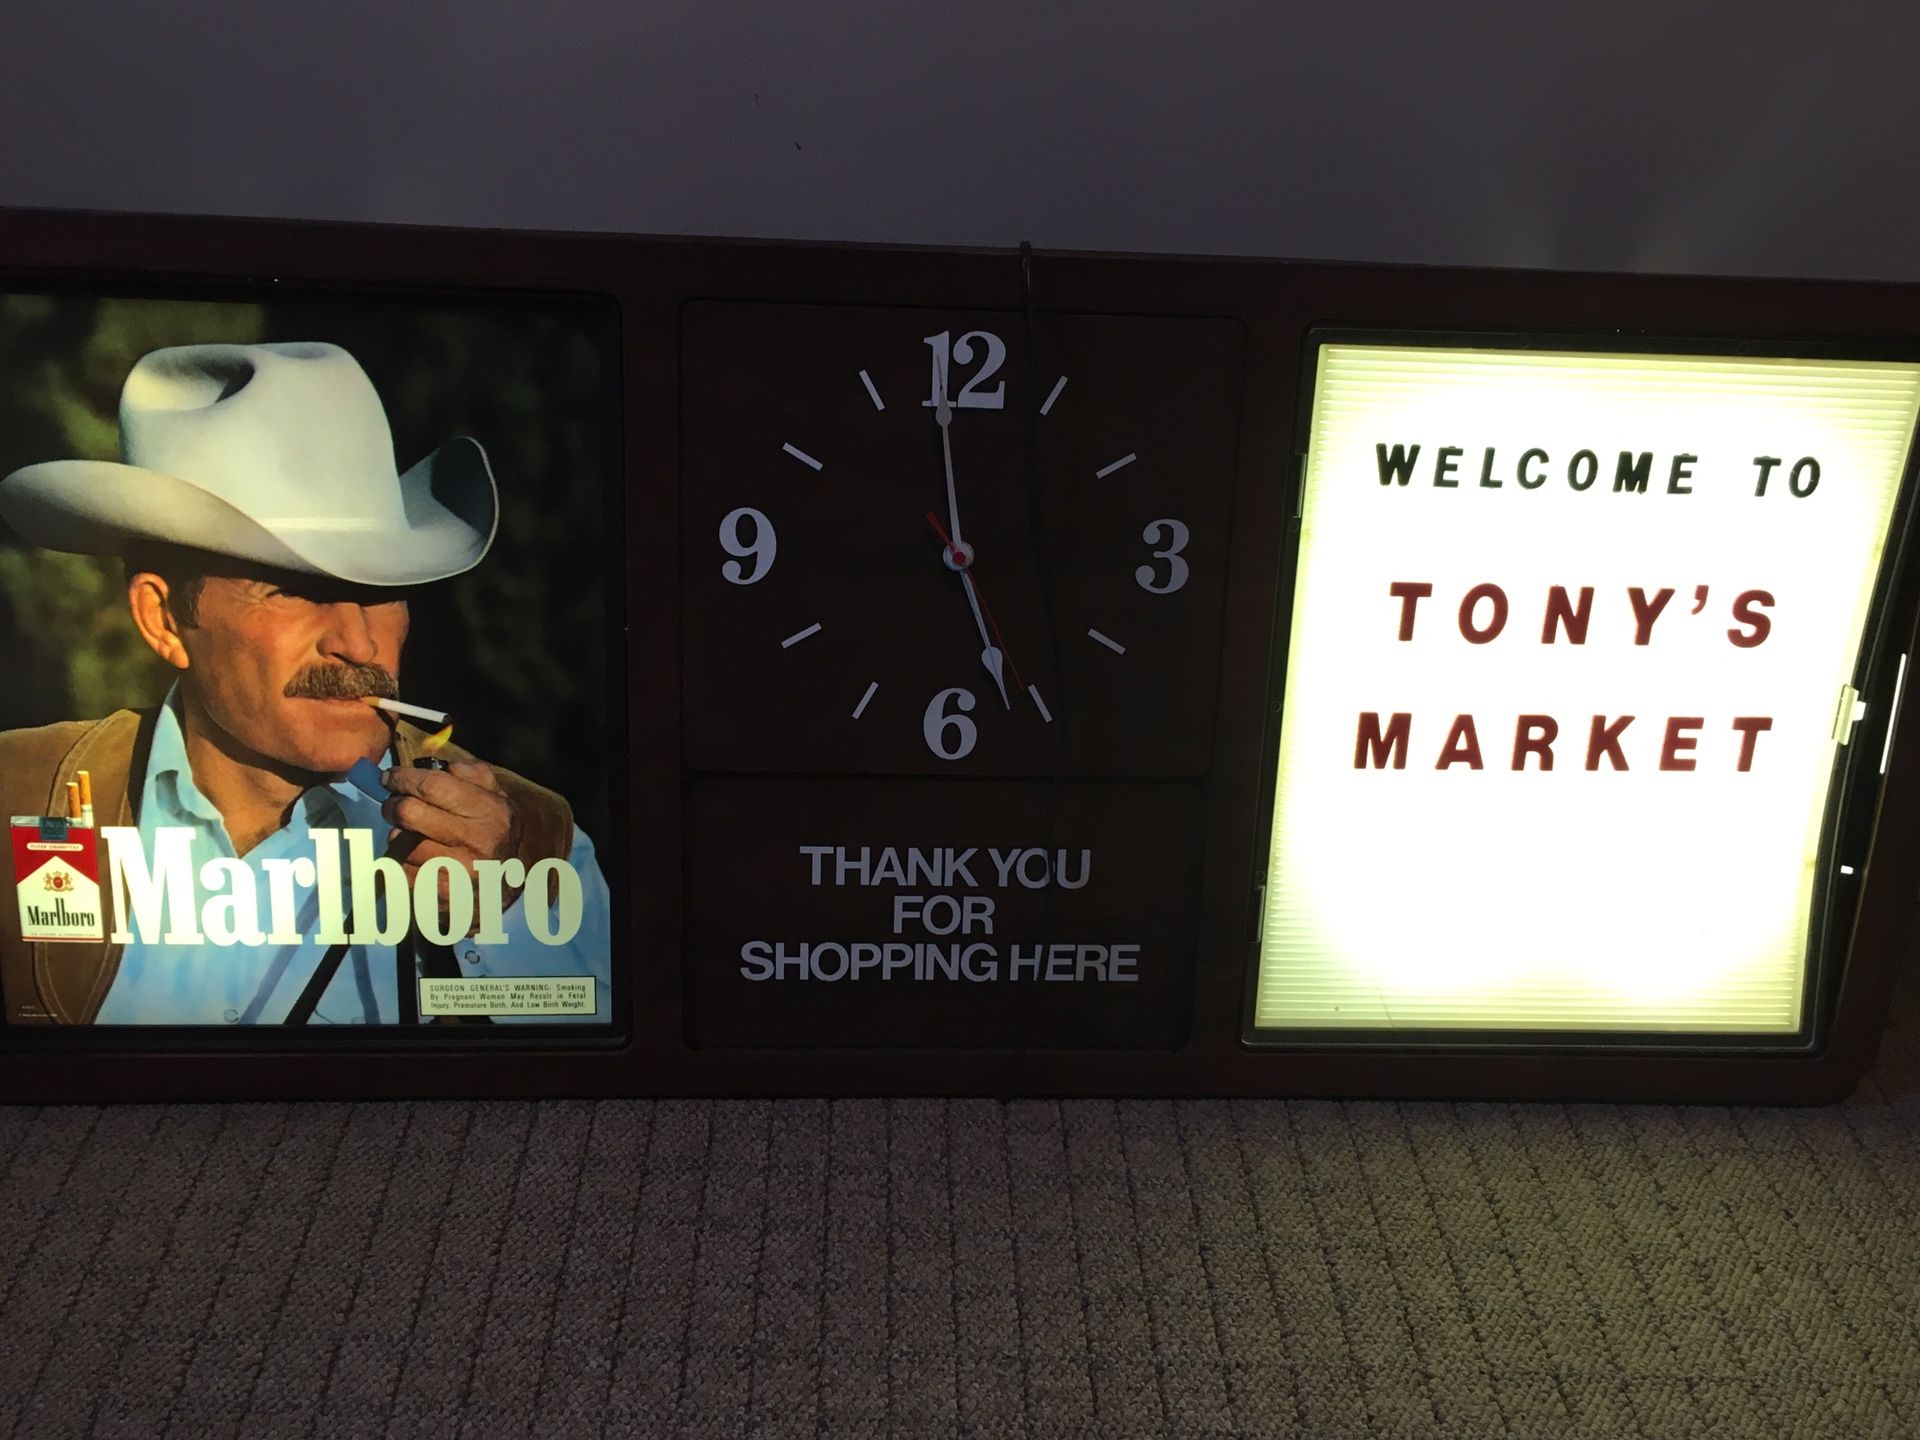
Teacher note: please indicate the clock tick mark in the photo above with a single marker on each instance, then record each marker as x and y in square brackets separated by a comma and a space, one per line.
[1123, 461]
[872, 686]
[1053, 394]
[799, 635]
[1045, 714]
[805, 459]
[867, 380]
[1106, 640]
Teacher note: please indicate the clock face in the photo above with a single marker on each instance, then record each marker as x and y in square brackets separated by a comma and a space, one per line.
[938, 542]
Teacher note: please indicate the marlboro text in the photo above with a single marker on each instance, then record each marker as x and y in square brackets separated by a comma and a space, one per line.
[363, 898]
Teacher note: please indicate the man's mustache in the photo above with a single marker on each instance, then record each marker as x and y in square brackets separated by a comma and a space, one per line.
[342, 682]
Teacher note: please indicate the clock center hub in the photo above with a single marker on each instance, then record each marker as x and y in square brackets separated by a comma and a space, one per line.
[958, 557]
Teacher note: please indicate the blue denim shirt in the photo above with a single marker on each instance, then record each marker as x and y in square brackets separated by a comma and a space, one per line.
[161, 984]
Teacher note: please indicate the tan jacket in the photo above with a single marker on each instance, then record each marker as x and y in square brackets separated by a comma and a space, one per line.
[65, 983]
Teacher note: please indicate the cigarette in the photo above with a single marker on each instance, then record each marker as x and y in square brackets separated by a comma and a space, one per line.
[400, 707]
[85, 782]
[73, 801]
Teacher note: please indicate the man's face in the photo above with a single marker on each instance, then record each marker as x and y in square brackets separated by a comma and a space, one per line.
[279, 663]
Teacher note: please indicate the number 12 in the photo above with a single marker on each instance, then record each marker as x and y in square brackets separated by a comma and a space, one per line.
[971, 397]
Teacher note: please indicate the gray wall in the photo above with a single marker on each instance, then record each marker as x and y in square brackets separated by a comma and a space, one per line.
[1778, 136]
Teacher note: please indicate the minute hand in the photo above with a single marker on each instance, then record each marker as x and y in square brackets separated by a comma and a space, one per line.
[943, 412]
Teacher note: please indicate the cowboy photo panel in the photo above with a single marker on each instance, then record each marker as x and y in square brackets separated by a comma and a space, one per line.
[304, 619]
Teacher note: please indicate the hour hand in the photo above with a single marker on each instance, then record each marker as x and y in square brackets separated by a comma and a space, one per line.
[959, 559]
[996, 662]
[992, 656]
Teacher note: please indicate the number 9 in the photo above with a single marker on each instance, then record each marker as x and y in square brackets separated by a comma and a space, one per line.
[762, 548]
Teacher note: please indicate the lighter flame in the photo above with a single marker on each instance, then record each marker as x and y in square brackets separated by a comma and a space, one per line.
[437, 741]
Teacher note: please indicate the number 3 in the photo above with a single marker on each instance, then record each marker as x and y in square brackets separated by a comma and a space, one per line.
[1175, 534]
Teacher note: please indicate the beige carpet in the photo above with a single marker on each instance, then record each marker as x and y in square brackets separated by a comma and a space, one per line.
[925, 1268]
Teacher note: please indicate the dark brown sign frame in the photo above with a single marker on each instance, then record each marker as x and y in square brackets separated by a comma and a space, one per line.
[1278, 304]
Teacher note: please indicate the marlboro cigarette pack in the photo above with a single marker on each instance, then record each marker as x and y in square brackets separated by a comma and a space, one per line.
[56, 871]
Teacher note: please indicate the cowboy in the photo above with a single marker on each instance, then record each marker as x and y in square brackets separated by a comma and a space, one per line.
[270, 544]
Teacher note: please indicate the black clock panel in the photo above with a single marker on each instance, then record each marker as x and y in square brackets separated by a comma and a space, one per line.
[923, 542]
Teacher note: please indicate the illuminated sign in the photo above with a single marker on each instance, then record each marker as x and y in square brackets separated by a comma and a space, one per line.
[1572, 651]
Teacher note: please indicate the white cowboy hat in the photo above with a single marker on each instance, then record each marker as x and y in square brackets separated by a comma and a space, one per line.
[276, 453]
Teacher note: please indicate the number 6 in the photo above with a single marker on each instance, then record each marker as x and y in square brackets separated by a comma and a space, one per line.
[937, 723]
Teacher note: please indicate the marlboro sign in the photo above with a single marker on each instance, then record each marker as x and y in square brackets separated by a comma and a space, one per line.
[1576, 661]
[932, 671]
[56, 866]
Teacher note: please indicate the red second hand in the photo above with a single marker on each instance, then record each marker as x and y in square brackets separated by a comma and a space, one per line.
[964, 565]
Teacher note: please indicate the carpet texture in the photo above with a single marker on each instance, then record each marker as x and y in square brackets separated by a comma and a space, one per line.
[929, 1268]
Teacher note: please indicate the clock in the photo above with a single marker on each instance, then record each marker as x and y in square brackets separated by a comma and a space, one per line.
[960, 543]
[953, 585]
